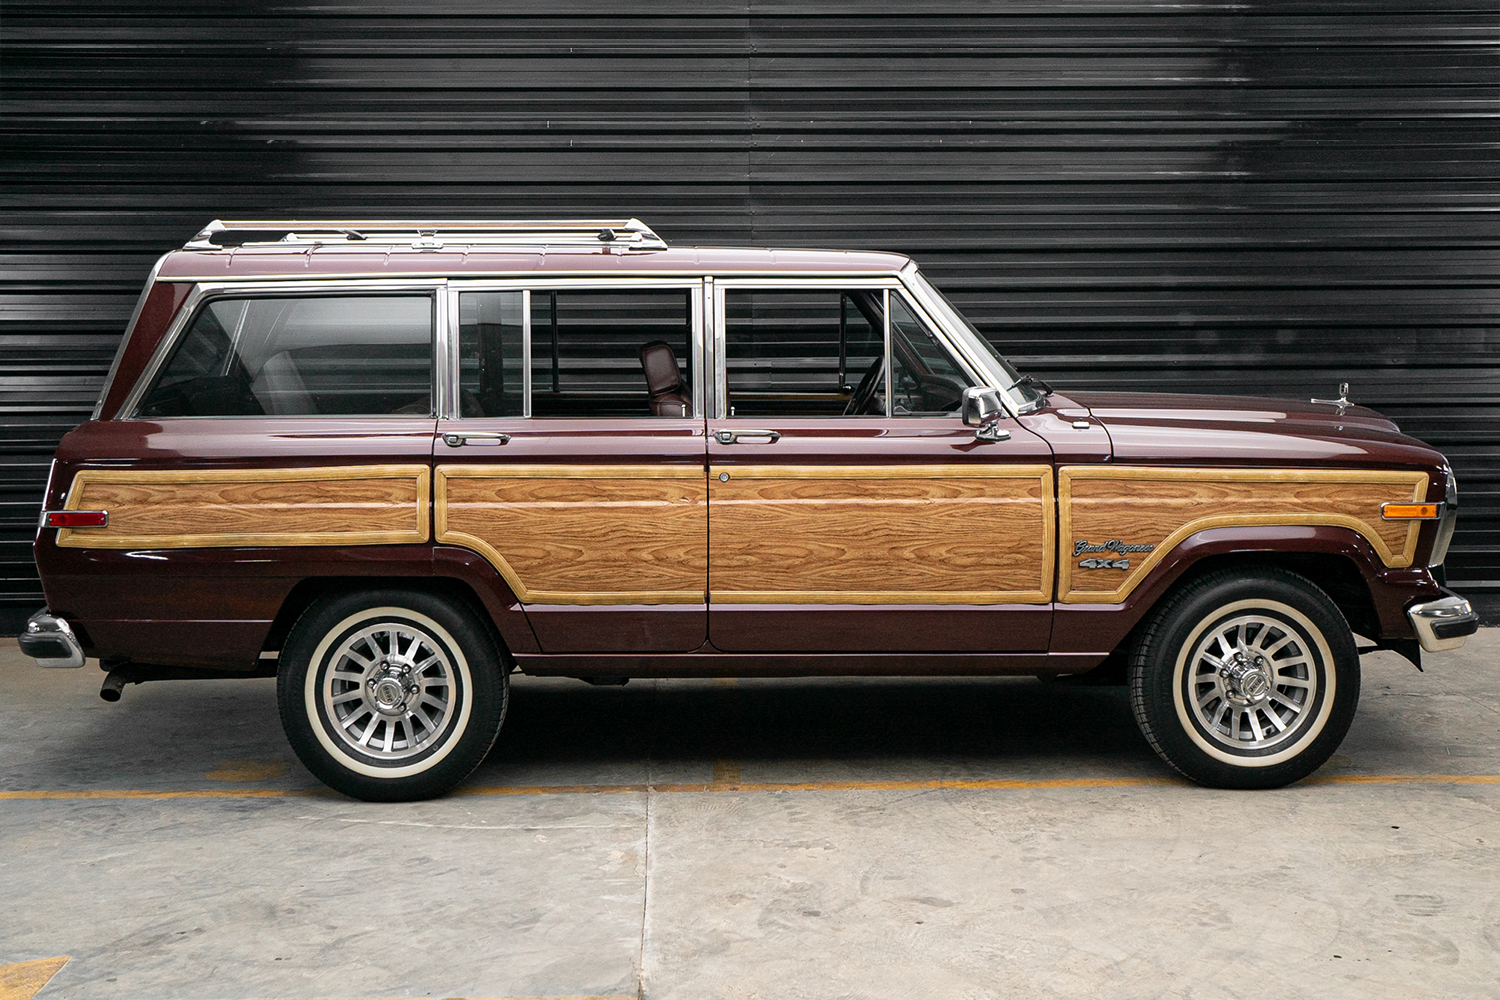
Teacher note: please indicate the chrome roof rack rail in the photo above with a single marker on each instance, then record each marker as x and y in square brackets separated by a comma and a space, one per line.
[631, 234]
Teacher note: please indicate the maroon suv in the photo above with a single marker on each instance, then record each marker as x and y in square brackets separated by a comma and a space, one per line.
[391, 462]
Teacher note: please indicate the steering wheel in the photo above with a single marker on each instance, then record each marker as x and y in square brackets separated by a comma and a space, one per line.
[864, 393]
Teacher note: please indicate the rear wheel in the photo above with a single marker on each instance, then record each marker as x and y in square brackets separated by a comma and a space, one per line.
[1246, 680]
[391, 695]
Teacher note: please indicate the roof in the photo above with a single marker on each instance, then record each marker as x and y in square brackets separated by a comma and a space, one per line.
[388, 248]
[383, 261]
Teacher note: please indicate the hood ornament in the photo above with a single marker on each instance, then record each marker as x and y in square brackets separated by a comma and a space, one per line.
[1342, 402]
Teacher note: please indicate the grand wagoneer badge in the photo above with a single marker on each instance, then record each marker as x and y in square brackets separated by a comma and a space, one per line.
[1083, 545]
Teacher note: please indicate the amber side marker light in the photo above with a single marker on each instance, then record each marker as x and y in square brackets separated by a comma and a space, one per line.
[75, 518]
[1411, 511]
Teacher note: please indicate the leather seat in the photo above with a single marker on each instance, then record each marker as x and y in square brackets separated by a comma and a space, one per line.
[670, 396]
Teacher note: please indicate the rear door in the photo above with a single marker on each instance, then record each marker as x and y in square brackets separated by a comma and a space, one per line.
[850, 509]
[556, 466]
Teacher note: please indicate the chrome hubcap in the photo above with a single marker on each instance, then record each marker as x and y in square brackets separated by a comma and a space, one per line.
[1251, 680]
[389, 690]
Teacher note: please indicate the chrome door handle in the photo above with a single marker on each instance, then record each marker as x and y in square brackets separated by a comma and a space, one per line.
[457, 439]
[747, 437]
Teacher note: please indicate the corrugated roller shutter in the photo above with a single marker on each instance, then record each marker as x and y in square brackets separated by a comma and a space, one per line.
[1245, 198]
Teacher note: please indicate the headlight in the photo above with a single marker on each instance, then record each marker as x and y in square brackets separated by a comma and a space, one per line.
[1445, 526]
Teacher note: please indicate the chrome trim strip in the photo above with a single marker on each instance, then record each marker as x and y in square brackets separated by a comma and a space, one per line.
[135, 317]
[205, 291]
[1445, 610]
[444, 355]
[885, 309]
[706, 376]
[695, 346]
[525, 352]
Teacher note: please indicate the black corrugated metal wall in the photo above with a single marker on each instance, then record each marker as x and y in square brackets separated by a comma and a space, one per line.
[1238, 197]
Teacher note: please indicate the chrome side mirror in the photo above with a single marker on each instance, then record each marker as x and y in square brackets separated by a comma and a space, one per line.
[983, 410]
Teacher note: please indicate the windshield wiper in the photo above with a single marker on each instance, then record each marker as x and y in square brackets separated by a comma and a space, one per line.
[1033, 382]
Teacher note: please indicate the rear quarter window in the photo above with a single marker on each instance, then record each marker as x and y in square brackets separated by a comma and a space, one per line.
[299, 356]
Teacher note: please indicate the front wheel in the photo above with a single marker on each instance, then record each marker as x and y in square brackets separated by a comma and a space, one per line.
[391, 695]
[1246, 680]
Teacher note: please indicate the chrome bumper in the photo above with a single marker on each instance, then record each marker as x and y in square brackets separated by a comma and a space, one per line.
[50, 641]
[1444, 623]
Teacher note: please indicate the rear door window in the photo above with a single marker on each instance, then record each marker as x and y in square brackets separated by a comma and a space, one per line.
[339, 355]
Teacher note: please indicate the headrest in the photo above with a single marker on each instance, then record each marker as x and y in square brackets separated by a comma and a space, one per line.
[660, 365]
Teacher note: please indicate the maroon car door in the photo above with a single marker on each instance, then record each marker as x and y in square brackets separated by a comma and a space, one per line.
[572, 457]
[850, 509]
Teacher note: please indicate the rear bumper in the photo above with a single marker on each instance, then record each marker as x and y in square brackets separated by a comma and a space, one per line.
[1444, 623]
[50, 641]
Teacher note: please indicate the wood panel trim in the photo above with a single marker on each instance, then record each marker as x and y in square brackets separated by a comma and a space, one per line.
[1418, 482]
[501, 471]
[101, 538]
[1047, 554]
[447, 536]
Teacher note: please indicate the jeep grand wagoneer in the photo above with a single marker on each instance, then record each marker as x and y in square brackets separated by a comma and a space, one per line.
[392, 462]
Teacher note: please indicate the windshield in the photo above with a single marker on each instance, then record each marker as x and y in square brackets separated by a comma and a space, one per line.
[1008, 376]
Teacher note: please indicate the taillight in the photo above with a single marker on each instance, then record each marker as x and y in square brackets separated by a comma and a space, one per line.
[75, 518]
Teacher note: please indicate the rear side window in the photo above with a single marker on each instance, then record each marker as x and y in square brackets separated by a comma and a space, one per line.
[307, 356]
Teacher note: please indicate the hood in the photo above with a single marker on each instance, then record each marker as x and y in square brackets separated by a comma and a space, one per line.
[1220, 430]
[1248, 410]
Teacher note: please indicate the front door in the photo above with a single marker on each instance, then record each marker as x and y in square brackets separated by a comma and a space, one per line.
[850, 509]
[573, 458]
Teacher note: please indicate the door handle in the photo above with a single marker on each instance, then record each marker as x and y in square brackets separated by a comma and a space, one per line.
[457, 439]
[747, 437]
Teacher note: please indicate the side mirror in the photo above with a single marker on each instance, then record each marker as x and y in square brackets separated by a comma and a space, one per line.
[982, 410]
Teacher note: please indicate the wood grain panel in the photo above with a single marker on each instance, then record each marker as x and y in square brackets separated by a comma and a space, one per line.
[881, 535]
[582, 534]
[1161, 507]
[219, 508]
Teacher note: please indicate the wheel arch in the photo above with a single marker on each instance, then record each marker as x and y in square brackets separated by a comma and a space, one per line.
[314, 589]
[1338, 560]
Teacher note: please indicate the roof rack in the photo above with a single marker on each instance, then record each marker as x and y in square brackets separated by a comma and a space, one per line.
[630, 234]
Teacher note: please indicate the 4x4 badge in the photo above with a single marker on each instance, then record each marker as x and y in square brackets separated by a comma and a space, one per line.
[1104, 564]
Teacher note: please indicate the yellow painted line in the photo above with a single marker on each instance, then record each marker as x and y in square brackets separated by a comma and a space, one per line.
[1403, 779]
[955, 784]
[186, 793]
[22, 980]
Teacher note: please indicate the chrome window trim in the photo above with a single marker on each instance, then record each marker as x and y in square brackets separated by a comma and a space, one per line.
[444, 384]
[977, 373]
[135, 317]
[707, 376]
[694, 285]
[525, 353]
[959, 337]
[207, 291]
[889, 362]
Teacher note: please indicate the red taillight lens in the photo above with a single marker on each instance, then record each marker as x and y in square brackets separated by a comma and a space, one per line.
[77, 518]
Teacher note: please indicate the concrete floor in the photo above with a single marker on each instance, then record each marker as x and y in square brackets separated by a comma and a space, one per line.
[950, 857]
